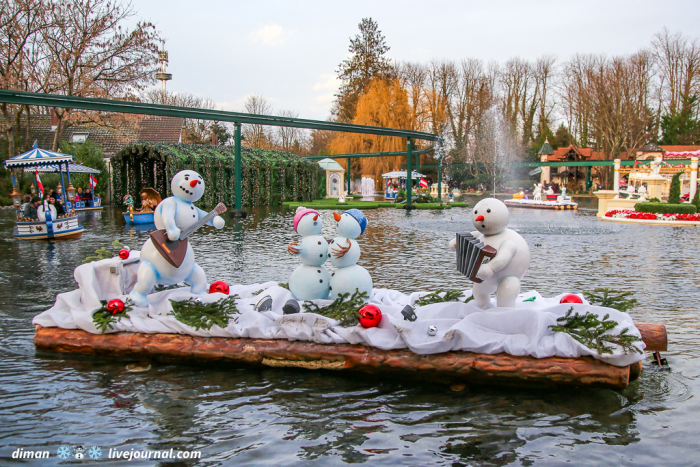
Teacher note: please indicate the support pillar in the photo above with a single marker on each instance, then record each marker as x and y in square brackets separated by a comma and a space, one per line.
[693, 176]
[349, 179]
[238, 204]
[409, 163]
[440, 176]
[589, 181]
[616, 177]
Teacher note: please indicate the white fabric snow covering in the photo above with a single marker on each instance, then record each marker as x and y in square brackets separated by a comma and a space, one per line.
[519, 331]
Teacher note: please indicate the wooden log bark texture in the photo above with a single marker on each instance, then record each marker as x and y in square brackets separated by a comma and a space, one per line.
[654, 336]
[475, 368]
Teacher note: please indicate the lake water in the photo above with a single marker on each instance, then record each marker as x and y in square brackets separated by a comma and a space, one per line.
[264, 416]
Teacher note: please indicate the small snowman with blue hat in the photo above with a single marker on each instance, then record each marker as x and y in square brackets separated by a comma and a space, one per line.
[309, 281]
[344, 252]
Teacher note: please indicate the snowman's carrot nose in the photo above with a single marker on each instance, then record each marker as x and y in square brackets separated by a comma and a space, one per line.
[316, 217]
[479, 219]
[336, 216]
[193, 183]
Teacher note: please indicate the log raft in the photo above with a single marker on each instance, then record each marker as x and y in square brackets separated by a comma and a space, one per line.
[502, 369]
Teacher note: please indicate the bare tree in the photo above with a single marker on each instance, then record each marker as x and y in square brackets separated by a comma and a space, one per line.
[291, 139]
[257, 136]
[678, 59]
[93, 54]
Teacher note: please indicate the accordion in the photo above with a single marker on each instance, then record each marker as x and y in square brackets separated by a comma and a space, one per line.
[471, 254]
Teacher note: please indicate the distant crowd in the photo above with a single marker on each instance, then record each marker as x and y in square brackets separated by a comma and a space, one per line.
[28, 210]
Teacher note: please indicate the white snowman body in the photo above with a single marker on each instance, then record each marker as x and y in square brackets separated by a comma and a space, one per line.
[349, 277]
[350, 258]
[174, 214]
[503, 273]
[314, 250]
[310, 280]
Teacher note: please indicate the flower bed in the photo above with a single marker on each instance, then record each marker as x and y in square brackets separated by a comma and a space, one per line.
[648, 216]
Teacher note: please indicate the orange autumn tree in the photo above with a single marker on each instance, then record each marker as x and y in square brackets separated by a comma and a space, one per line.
[385, 103]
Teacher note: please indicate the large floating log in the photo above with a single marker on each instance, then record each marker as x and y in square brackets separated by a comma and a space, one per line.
[467, 366]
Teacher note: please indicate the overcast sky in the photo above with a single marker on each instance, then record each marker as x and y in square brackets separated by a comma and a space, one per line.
[288, 51]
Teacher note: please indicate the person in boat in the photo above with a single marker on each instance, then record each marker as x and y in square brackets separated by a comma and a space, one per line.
[60, 210]
[27, 199]
[59, 194]
[30, 211]
[80, 194]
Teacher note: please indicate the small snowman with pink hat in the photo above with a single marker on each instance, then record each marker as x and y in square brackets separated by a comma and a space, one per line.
[310, 281]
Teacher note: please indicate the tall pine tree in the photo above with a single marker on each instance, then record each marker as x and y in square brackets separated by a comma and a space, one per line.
[674, 196]
[366, 63]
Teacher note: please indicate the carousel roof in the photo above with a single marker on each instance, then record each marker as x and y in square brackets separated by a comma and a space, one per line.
[401, 174]
[36, 157]
[330, 164]
[73, 167]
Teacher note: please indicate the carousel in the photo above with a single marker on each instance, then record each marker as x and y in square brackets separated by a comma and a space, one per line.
[48, 225]
[395, 181]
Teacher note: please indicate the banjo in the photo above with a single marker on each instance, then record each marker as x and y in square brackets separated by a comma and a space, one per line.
[174, 251]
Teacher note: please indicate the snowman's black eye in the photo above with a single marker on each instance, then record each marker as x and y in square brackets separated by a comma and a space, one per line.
[315, 223]
[488, 210]
[475, 211]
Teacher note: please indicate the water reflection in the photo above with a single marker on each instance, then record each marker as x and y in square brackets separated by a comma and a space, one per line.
[249, 415]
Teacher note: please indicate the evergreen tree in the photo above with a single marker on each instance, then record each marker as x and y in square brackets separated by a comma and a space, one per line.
[90, 155]
[366, 63]
[674, 196]
[682, 128]
[696, 200]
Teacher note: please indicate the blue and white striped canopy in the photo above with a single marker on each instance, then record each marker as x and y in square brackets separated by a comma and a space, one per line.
[37, 157]
[73, 167]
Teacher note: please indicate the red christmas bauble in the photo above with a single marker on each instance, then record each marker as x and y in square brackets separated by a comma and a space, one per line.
[218, 286]
[124, 254]
[370, 316]
[115, 306]
[571, 298]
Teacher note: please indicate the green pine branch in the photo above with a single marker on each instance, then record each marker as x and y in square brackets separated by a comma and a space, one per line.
[435, 297]
[103, 253]
[201, 315]
[343, 309]
[611, 298]
[104, 318]
[594, 333]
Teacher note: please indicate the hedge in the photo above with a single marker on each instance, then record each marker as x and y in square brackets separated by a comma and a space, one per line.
[665, 208]
[425, 206]
[459, 205]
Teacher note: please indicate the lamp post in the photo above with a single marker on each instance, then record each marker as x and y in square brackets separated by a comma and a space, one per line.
[16, 195]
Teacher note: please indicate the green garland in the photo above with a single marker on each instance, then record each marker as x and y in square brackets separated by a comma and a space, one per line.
[591, 331]
[103, 253]
[201, 315]
[343, 309]
[611, 298]
[104, 318]
[435, 297]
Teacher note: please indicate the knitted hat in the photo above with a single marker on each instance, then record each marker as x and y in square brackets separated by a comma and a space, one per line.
[301, 212]
[359, 217]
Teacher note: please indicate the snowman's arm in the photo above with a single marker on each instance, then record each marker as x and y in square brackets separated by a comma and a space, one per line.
[506, 251]
[216, 221]
[167, 215]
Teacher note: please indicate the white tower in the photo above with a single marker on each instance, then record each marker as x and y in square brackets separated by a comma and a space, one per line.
[162, 76]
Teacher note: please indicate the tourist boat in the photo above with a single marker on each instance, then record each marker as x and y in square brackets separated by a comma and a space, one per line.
[61, 228]
[553, 201]
[400, 177]
[131, 217]
[51, 226]
[150, 198]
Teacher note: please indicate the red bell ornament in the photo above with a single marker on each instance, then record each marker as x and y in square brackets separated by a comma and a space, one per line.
[370, 316]
[219, 286]
[124, 254]
[115, 306]
[571, 298]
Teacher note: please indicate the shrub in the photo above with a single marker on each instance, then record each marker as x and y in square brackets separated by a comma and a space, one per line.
[654, 200]
[459, 205]
[665, 208]
[696, 200]
[674, 196]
